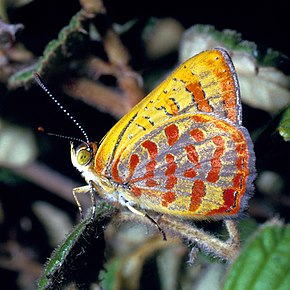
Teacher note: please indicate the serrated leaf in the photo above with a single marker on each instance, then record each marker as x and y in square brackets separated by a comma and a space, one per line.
[71, 40]
[69, 261]
[284, 126]
[264, 262]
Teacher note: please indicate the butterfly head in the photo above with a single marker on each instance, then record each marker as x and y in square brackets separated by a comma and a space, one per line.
[82, 156]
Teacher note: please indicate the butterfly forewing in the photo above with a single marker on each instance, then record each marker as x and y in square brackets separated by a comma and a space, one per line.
[205, 83]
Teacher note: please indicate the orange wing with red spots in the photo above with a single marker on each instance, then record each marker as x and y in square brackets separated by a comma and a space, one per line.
[182, 150]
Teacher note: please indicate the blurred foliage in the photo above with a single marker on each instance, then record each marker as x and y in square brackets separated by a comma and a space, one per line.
[264, 262]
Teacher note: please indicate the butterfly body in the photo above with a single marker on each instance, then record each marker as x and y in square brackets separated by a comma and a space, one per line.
[182, 150]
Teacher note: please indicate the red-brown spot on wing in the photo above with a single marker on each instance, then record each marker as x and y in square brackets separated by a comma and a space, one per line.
[190, 173]
[198, 192]
[216, 163]
[136, 191]
[172, 134]
[199, 97]
[134, 161]
[171, 165]
[192, 155]
[151, 183]
[151, 148]
[170, 182]
[197, 134]
[170, 171]
[150, 168]
[200, 119]
[168, 197]
[229, 197]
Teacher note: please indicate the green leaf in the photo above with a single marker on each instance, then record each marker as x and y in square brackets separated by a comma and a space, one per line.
[264, 262]
[284, 126]
[69, 262]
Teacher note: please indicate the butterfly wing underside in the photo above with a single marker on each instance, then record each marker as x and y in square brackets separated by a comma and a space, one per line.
[182, 149]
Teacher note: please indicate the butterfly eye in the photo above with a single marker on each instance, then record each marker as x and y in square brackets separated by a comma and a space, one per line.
[84, 156]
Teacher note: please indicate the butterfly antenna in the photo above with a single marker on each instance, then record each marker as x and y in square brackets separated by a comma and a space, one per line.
[41, 84]
[41, 129]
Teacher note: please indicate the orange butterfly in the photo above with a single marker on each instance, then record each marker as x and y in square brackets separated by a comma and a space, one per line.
[182, 150]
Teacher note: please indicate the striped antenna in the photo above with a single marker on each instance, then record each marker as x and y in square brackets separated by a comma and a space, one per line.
[41, 129]
[41, 84]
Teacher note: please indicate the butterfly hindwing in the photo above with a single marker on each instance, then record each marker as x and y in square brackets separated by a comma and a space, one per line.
[189, 165]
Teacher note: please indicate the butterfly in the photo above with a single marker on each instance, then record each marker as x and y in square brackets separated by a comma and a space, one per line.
[182, 150]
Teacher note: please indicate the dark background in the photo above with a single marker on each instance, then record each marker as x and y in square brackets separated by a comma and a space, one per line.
[266, 23]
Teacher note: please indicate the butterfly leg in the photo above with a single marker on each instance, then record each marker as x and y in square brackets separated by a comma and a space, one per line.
[84, 189]
[135, 211]
[76, 192]
[234, 235]
[93, 190]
